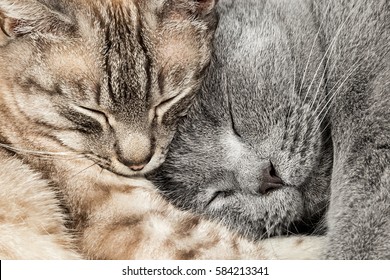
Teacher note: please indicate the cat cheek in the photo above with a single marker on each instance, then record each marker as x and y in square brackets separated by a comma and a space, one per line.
[70, 139]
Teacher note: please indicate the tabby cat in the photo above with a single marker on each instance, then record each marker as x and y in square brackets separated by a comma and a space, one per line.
[90, 94]
[291, 132]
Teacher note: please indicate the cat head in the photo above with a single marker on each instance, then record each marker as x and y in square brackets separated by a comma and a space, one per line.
[254, 152]
[106, 79]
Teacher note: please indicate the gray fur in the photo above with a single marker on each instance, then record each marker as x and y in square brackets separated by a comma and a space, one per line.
[303, 84]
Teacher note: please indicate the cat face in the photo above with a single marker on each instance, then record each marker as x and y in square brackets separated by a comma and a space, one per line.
[253, 152]
[106, 79]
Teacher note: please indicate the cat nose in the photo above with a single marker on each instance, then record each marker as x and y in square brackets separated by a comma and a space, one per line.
[271, 181]
[135, 151]
[137, 167]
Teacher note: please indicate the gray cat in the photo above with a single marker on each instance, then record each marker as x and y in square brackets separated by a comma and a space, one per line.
[291, 131]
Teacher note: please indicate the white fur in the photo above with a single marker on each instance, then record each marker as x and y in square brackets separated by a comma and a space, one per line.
[32, 226]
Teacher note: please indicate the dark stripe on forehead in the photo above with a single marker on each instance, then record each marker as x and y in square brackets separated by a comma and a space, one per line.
[148, 62]
[127, 62]
[107, 50]
[98, 93]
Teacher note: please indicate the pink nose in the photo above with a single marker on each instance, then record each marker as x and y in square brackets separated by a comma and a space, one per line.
[137, 167]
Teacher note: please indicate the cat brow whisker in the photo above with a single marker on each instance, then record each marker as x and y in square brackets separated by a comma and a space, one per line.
[293, 89]
[323, 131]
[338, 84]
[326, 107]
[324, 99]
[330, 47]
[310, 54]
[322, 77]
[338, 32]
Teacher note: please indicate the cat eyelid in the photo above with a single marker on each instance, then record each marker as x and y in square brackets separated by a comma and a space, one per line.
[235, 129]
[97, 114]
[231, 115]
[232, 121]
[169, 102]
[166, 101]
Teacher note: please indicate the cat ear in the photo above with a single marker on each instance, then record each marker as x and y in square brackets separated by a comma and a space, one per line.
[205, 6]
[18, 18]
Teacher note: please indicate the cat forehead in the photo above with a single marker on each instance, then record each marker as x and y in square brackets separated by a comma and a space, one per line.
[129, 50]
[177, 38]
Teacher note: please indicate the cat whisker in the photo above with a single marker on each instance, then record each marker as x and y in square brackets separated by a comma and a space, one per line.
[322, 77]
[42, 154]
[295, 76]
[85, 169]
[326, 106]
[293, 90]
[323, 131]
[330, 48]
[339, 85]
[295, 226]
[288, 231]
[311, 53]
[325, 55]
[102, 162]
[331, 45]
[269, 231]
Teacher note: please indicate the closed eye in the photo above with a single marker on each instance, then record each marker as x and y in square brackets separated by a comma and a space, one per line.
[166, 102]
[178, 103]
[84, 123]
[219, 194]
[233, 124]
[96, 114]
[164, 106]
[234, 127]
